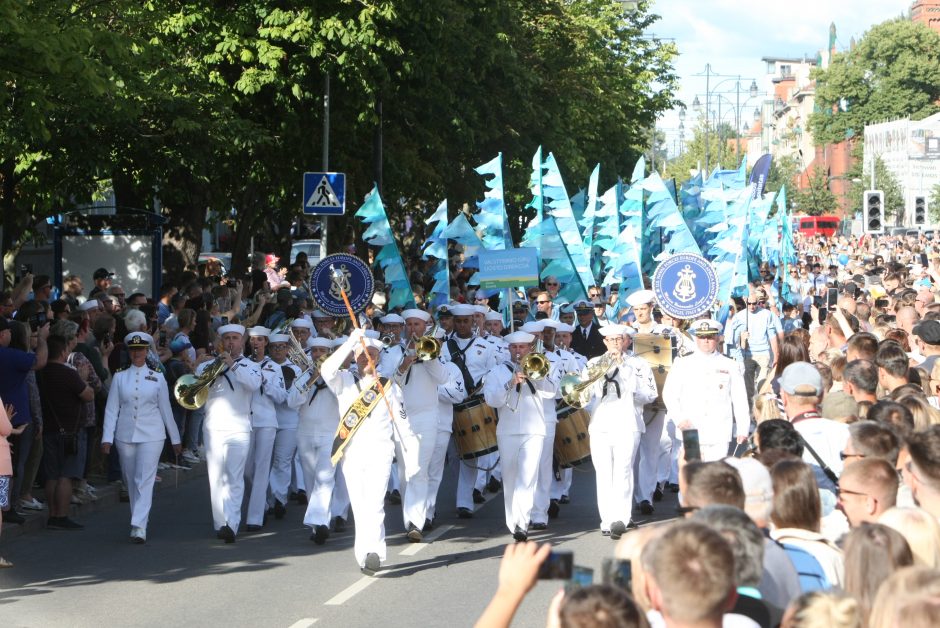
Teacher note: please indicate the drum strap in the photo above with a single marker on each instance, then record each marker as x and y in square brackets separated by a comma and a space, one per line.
[459, 359]
[611, 379]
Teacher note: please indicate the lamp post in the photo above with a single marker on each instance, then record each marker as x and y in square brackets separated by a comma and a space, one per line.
[709, 90]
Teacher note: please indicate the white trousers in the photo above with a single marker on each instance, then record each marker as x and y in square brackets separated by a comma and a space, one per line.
[139, 468]
[226, 455]
[297, 481]
[519, 456]
[367, 466]
[649, 455]
[258, 471]
[394, 478]
[282, 461]
[613, 457]
[669, 445]
[436, 469]
[543, 488]
[319, 477]
[414, 446]
[339, 505]
[562, 486]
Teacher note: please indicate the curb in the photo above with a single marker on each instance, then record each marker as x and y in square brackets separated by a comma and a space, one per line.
[108, 497]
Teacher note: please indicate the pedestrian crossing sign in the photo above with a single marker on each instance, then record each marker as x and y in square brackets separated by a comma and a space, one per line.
[324, 193]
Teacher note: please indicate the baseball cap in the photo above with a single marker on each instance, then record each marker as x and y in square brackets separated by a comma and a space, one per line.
[271, 258]
[102, 273]
[928, 331]
[801, 378]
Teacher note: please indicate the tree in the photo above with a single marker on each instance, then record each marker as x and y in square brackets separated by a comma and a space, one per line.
[933, 208]
[884, 181]
[893, 72]
[784, 171]
[692, 158]
[816, 199]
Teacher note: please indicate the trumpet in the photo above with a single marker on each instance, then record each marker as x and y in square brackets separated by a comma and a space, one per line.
[192, 391]
[296, 353]
[312, 374]
[388, 340]
[575, 391]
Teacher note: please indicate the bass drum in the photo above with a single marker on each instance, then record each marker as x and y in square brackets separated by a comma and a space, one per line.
[572, 441]
[474, 428]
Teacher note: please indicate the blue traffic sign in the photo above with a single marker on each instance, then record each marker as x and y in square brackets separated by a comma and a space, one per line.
[324, 193]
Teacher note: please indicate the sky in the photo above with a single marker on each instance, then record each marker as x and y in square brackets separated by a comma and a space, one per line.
[732, 36]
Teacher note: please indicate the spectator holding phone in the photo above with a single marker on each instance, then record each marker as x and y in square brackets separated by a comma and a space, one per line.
[6, 465]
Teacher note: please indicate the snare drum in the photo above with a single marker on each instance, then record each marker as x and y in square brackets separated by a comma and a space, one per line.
[572, 442]
[474, 428]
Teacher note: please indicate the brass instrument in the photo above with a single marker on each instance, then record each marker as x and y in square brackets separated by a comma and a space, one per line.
[427, 347]
[575, 391]
[312, 375]
[191, 391]
[534, 366]
[389, 340]
[296, 352]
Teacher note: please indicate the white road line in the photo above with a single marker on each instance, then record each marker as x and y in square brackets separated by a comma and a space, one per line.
[306, 622]
[346, 594]
[414, 548]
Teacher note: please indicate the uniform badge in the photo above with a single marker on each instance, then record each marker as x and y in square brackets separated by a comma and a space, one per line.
[351, 420]
[151, 378]
[369, 397]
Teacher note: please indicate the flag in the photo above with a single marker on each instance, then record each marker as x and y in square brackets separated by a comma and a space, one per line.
[435, 247]
[379, 233]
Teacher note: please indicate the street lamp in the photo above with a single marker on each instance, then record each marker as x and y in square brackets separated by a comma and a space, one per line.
[709, 90]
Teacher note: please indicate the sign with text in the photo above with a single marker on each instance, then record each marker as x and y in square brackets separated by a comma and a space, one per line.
[509, 268]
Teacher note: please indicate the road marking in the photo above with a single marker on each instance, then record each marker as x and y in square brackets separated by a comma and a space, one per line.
[414, 548]
[306, 622]
[346, 594]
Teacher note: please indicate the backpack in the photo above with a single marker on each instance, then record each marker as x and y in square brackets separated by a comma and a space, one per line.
[812, 576]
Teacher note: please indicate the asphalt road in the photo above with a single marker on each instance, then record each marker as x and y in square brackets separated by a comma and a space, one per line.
[183, 576]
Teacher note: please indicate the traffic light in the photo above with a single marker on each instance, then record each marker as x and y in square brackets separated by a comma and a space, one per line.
[874, 209]
[920, 210]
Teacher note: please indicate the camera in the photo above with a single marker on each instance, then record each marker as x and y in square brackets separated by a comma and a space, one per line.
[37, 320]
[617, 572]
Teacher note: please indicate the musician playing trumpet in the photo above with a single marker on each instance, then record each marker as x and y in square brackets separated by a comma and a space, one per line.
[227, 430]
[616, 425]
[519, 397]
[285, 439]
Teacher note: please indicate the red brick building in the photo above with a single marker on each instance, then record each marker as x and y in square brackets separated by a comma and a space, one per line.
[926, 12]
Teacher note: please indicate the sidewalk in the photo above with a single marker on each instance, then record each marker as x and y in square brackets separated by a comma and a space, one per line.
[108, 497]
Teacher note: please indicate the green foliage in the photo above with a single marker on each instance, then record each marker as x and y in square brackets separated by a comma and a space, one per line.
[884, 181]
[893, 72]
[817, 199]
[933, 204]
[720, 152]
[784, 172]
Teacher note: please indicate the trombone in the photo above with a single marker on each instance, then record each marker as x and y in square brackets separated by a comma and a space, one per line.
[534, 366]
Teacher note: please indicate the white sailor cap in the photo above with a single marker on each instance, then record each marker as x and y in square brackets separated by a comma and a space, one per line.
[369, 343]
[90, 304]
[583, 306]
[378, 299]
[706, 327]
[564, 328]
[444, 309]
[550, 322]
[339, 340]
[641, 297]
[416, 313]
[519, 337]
[371, 333]
[493, 315]
[276, 338]
[325, 343]
[533, 326]
[616, 330]
[462, 309]
[303, 323]
[231, 328]
[392, 319]
[321, 314]
[137, 340]
[258, 330]
[480, 309]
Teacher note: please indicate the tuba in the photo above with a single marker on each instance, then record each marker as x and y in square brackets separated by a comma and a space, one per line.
[191, 391]
[575, 391]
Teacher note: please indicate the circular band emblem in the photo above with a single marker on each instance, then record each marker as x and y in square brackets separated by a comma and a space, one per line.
[685, 285]
[340, 273]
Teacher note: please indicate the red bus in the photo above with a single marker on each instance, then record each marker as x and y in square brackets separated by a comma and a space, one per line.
[817, 225]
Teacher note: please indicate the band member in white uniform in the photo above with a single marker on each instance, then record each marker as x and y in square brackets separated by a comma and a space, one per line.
[285, 439]
[668, 471]
[367, 458]
[706, 391]
[339, 504]
[520, 433]
[569, 362]
[616, 426]
[137, 419]
[319, 416]
[475, 358]
[302, 329]
[390, 333]
[451, 392]
[227, 430]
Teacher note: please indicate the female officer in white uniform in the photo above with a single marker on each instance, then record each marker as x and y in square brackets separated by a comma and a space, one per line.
[137, 419]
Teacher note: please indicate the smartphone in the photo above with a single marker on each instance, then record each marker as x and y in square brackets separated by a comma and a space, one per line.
[225, 320]
[558, 566]
[162, 337]
[740, 449]
[881, 302]
[832, 298]
[618, 572]
[26, 269]
[823, 315]
[580, 577]
[923, 260]
[690, 443]
[37, 320]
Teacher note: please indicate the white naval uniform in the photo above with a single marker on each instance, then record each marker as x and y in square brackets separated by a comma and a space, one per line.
[416, 434]
[263, 431]
[389, 359]
[137, 418]
[671, 443]
[571, 363]
[480, 357]
[227, 435]
[520, 436]
[367, 459]
[319, 417]
[653, 441]
[616, 426]
[543, 490]
[708, 391]
[285, 440]
[448, 394]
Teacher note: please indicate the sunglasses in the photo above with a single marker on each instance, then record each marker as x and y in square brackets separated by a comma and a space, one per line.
[543, 302]
[551, 284]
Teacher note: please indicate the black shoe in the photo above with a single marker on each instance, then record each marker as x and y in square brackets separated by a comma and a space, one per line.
[617, 529]
[520, 535]
[227, 534]
[673, 487]
[605, 532]
[339, 524]
[11, 516]
[465, 513]
[538, 526]
[252, 528]
[646, 507]
[553, 509]
[302, 498]
[658, 494]
[63, 523]
[478, 497]
[320, 534]
[414, 534]
[279, 510]
[372, 564]
[564, 500]
[123, 495]
[394, 497]
[631, 525]
[428, 525]
[493, 485]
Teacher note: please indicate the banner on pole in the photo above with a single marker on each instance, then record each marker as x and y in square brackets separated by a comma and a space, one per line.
[509, 268]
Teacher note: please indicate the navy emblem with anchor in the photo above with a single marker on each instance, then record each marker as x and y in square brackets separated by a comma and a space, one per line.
[685, 285]
[351, 276]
